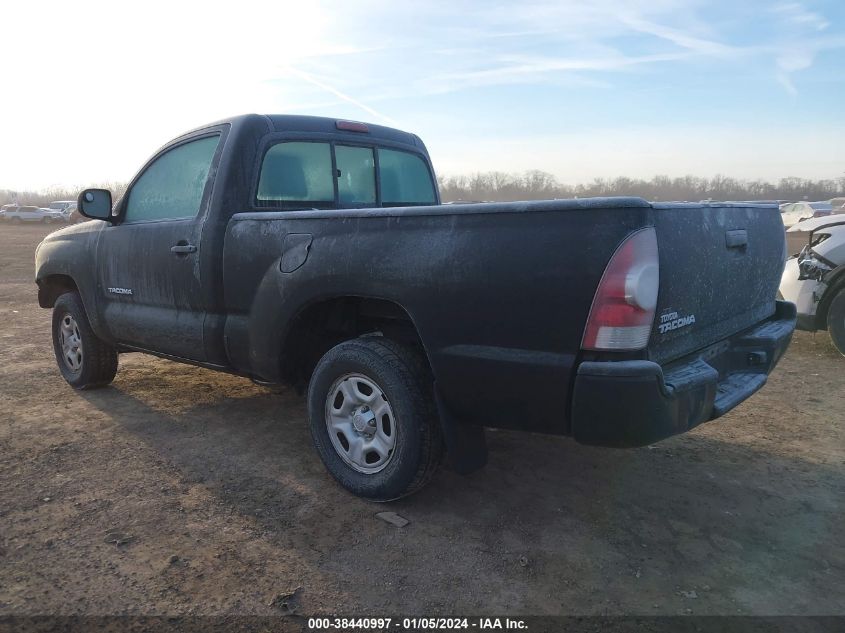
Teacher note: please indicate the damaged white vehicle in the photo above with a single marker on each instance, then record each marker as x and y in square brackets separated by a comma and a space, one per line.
[814, 279]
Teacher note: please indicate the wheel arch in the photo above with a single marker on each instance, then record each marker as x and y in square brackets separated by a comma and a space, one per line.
[322, 323]
[51, 287]
[54, 285]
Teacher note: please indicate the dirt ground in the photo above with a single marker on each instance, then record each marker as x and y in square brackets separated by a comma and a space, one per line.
[178, 490]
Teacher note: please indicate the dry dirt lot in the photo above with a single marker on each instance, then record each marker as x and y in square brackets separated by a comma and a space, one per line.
[179, 490]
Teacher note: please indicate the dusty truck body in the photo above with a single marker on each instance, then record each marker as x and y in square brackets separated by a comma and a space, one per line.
[315, 252]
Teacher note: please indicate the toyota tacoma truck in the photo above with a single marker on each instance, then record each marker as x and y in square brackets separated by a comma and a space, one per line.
[315, 252]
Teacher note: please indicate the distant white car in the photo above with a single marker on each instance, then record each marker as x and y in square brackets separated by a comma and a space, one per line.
[33, 214]
[794, 212]
[814, 279]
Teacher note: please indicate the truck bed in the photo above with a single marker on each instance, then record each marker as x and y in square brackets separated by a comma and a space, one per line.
[499, 292]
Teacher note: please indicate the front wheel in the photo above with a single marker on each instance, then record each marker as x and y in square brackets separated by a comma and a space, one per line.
[86, 361]
[373, 420]
[836, 321]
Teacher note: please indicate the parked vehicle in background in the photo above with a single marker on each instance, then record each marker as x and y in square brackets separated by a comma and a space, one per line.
[315, 252]
[814, 279]
[5, 209]
[65, 206]
[838, 205]
[794, 212]
[73, 215]
[33, 214]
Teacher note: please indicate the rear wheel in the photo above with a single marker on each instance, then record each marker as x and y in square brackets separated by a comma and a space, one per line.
[836, 321]
[373, 419]
[86, 362]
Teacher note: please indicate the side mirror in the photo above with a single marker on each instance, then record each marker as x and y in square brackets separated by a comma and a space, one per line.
[95, 204]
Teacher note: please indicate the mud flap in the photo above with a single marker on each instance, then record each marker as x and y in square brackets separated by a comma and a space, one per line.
[466, 444]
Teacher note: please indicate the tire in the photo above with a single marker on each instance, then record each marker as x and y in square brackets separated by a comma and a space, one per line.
[836, 321]
[85, 361]
[403, 408]
[16, 220]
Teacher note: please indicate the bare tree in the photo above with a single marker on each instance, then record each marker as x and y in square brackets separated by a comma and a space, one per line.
[539, 185]
[533, 185]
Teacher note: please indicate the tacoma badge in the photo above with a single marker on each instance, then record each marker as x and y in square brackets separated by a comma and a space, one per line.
[671, 321]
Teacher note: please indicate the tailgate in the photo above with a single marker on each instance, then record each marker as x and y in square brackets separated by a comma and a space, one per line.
[720, 266]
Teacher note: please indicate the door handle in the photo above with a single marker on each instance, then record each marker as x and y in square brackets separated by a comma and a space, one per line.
[183, 249]
[736, 239]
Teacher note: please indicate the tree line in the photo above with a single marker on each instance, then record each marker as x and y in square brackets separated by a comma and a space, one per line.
[537, 185]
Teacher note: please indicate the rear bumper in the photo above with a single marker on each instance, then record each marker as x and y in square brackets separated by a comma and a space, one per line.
[634, 403]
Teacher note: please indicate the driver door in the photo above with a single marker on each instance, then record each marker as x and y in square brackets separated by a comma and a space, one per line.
[150, 280]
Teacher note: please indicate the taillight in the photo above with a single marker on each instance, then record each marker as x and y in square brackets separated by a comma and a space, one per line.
[622, 313]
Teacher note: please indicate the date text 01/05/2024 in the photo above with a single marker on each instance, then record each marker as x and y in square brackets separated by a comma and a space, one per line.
[414, 624]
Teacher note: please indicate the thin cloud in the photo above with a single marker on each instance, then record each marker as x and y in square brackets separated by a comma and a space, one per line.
[680, 38]
[517, 69]
[341, 95]
[785, 80]
[797, 14]
[585, 32]
[800, 53]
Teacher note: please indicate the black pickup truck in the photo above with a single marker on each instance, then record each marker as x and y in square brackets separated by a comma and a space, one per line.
[315, 252]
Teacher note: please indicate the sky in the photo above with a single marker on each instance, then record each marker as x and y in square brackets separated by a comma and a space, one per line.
[583, 90]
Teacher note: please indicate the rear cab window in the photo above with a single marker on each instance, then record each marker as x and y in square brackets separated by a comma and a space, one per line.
[336, 175]
[356, 176]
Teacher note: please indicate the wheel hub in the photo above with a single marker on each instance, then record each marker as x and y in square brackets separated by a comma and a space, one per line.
[364, 421]
[71, 343]
[360, 423]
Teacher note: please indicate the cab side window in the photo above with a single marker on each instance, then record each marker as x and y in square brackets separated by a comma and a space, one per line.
[171, 188]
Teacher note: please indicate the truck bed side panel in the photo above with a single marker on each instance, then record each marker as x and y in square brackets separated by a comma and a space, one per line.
[470, 280]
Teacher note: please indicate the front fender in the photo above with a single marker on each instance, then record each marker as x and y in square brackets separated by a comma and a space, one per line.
[70, 253]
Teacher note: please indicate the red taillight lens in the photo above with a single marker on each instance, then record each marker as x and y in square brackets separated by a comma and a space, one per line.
[623, 308]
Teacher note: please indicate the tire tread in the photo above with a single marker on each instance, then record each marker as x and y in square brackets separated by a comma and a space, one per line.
[836, 321]
[416, 375]
[410, 368]
[103, 356]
